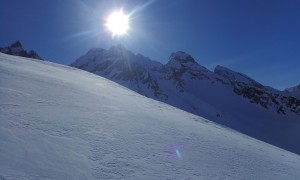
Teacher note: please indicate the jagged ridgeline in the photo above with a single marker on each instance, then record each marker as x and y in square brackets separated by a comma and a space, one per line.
[181, 75]
[17, 49]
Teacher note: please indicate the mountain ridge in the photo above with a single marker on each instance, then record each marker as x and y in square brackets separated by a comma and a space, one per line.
[294, 91]
[222, 95]
[178, 64]
[17, 49]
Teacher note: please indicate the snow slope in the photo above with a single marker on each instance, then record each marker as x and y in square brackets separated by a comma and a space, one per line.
[57, 122]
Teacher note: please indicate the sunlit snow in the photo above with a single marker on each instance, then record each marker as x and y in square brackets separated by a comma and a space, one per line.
[57, 122]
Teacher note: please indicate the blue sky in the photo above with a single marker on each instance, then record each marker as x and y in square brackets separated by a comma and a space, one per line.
[260, 38]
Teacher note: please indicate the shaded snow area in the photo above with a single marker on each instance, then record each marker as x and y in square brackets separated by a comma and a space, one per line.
[57, 122]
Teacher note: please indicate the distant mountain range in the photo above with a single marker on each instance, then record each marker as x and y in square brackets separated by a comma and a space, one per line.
[224, 96]
[181, 74]
[17, 49]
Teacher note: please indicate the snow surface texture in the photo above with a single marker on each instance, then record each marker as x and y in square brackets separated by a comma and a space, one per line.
[57, 122]
[223, 96]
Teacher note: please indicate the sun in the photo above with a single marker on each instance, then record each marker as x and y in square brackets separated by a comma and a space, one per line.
[117, 23]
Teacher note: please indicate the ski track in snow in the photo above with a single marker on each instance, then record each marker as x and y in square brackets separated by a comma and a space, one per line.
[57, 122]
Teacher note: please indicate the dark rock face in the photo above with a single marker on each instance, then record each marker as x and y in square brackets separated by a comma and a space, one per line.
[17, 44]
[16, 49]
[259, 94]
[268, 99]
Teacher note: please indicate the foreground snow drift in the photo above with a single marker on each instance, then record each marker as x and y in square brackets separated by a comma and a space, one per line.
[57, 122]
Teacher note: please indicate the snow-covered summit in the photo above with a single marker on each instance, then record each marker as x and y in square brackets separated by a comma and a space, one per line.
[120, 50]
[17, 49]
[181, 58]
[122, 65]
[116, 57]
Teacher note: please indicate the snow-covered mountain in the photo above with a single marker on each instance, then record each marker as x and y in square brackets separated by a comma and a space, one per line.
[17, 49]
[293, 91]
[257, 93]
[58, 122]
[224, 96]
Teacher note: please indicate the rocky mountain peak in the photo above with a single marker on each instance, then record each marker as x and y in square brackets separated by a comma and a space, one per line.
[180, 58]
[121, 53]
[117, 48]
[16, 49]
[17, 44]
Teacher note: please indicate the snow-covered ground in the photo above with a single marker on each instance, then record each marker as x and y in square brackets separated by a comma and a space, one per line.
[57, 122]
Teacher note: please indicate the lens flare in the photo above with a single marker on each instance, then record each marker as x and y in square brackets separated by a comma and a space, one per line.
[174, 152]
[117, 23]
[178, 153]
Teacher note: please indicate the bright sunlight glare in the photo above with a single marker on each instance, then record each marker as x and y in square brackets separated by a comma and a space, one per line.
[118, 23]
